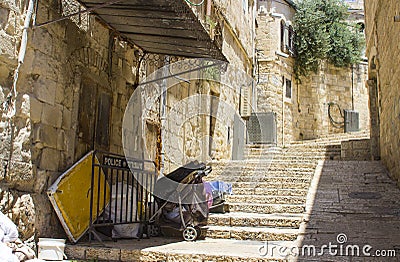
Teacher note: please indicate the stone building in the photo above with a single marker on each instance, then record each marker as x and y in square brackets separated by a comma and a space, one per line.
[77, 76]
[382, 28]
[301, 107]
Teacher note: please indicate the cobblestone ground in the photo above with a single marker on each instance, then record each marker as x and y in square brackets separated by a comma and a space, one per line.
[352, 203]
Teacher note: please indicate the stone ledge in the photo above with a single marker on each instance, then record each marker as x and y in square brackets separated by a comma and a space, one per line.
[163, 249]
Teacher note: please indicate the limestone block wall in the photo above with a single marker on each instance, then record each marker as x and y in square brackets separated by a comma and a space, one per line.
[274, 68]
[66, 72]
[356, 150]
[197, 124]
[305, 114]
[271, 96]
[383, 52]
[239, 20]
[331, 85]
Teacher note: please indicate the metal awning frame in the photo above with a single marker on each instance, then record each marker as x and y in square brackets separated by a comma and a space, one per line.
[214, 64]
[89, 10]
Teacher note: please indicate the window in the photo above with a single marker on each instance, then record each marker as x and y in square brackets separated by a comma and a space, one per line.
[288, 85]
[283, 36]
[287, 38]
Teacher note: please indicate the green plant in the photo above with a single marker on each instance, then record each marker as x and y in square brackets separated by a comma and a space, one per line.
[324, 34]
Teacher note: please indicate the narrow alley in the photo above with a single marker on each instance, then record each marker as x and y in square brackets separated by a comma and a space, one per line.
[199, 130]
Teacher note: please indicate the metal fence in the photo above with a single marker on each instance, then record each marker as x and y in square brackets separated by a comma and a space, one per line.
[121, 195]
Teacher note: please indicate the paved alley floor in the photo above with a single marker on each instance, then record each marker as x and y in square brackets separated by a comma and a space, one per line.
[355, 206]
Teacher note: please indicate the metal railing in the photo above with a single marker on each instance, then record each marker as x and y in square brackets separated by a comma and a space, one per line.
[120, 195]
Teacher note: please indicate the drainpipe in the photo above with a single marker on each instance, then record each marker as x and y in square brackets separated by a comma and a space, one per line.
[163, 106]
[13, 93]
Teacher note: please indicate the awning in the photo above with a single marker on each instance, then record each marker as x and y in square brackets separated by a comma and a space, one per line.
[158, 26]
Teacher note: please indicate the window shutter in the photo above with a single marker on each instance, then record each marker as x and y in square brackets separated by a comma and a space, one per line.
[245, 102]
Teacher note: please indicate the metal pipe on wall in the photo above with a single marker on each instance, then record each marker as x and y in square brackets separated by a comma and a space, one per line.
[163, 107]
[13, 93]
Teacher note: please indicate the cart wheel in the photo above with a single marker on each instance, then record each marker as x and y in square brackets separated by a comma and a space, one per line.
[190, 234]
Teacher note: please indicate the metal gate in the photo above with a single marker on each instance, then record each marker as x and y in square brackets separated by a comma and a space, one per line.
[120, 194]
[262, 128]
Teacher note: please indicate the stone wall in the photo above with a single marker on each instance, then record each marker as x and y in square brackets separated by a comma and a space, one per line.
[345, 87]
[356, 150]
[238, 19]
[66, 74]
[383, 53]
[303, 115]
[199, 115]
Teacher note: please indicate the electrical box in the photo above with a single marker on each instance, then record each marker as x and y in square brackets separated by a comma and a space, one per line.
[351, 121]
[261, 128]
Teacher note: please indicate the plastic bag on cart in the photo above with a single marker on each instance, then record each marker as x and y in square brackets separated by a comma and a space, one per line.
[216, 192]
[219, 190]
[125, 230]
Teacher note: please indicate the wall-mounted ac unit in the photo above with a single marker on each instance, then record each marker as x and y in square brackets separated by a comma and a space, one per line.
[261, 128]
[351, 121]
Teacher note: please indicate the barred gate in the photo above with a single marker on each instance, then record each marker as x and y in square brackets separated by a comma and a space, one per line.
[121, 194]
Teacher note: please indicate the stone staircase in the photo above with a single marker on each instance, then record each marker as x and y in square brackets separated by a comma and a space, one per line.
[270, 188]
[269, 197]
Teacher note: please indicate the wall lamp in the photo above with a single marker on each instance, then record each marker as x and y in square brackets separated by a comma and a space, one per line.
[397, 18]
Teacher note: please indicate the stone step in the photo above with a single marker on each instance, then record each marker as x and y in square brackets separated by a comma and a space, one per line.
[260, 170]
[210, 249]
[161, 249]
[275, 163]
[294, 154]
[240, 219]
[270, 199]
[263, 163]
[267, 179]
[271, 191]
[269, 173]
[314, 148]
[252, 233]
[268, 185]
[273, 169]
[266, 208]
[309, 158]
[311, 153]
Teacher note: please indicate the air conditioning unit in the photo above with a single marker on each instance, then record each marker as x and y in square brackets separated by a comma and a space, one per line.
[351, 121]
[245, 102]
[261, 128]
